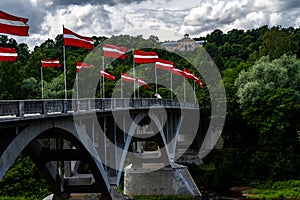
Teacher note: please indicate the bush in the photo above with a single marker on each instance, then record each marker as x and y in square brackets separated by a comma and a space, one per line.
[23, 179]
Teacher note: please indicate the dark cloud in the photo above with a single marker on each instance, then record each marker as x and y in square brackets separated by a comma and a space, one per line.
[286, 5]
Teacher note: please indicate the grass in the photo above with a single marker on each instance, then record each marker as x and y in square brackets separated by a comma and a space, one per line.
[166, 197]
[18, 198]
[277, 190]
[136, 197]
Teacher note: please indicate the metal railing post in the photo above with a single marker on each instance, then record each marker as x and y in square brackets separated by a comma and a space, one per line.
[20, 109]
[89, 104]
[103, 104]
[65, 106]
[44, 107]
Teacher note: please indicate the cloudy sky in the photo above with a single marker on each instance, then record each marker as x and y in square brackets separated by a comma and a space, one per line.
[168, 19]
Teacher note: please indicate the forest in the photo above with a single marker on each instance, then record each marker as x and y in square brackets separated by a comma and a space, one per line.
[260, 70]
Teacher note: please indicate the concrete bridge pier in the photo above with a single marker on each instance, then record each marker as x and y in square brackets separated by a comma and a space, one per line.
[154, 172]
[152, 180]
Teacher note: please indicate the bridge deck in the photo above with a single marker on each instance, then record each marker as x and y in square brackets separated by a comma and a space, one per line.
[12, 110]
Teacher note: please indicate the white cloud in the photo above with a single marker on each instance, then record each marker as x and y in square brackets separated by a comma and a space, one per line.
[245, 14]
[105, 17]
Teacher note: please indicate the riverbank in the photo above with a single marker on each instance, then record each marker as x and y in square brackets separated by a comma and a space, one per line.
[282, 190]
[278, 190]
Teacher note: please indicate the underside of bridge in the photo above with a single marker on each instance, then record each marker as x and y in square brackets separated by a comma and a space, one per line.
[87, 153]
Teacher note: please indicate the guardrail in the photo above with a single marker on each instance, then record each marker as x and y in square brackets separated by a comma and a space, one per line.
[20, 108]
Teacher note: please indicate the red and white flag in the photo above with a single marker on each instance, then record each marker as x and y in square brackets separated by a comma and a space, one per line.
[114, 51]
[144, 57]
[73, 39]
[199, 82]
[8, 54]
[126, 78]
[188, 74]
[164, 64]
[178, 72]
[143, 83]
[107, 75]
[13, 25]
[80, 65]
[50, 63]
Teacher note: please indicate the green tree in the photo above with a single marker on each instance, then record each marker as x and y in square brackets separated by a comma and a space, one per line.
[24, 179]
[275, 43]
[30, 88]
[269, 98]
[55, 88]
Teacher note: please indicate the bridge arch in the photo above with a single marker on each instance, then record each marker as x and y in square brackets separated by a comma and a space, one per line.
[66, 129]
[139, 117]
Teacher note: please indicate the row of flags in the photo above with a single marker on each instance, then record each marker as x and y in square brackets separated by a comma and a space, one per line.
[160, 64]
[81, 65]
[14, 25]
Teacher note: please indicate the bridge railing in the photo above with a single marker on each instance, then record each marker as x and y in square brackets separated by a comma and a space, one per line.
[20, 108]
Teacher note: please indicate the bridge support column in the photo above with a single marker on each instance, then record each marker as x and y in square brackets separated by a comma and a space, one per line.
[151, 180]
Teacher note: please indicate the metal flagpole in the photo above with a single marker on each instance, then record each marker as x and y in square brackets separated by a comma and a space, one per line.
[65, 79]
[138, 94]
[103, 68]
[184, 92]
[42, 83]
[171, 86]
[77, 86]
[155, 80]
[133, 71]
[195, 97]
[100, 95]
[121, 86]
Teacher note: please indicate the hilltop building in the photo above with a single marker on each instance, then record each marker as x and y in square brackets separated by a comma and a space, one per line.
[184, 44]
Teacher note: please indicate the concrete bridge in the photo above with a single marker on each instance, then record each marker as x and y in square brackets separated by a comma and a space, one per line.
[82, 146]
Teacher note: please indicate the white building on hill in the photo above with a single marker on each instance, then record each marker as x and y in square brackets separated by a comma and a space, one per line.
[184, 44]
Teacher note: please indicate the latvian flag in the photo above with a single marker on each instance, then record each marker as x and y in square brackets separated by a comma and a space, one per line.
[178, 72]
[8, 54]
[144, 57]
[199, 82]
[164, 65]
[189, 75]
[114, 51]
[126, 78]
[73, 39]
[50, 63]
[143, 83]
[13, 25]
[80, 65]
[107, 75]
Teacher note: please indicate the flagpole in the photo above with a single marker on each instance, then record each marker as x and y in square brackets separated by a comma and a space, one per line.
[42, 83]
[100, 95]
[121, 87]
[133, 71]
[138, 94]
[155, 79]
[171, 86]
[184, 92]
[77, 86]
[65, 79]
[103, 68]
[195, 92]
